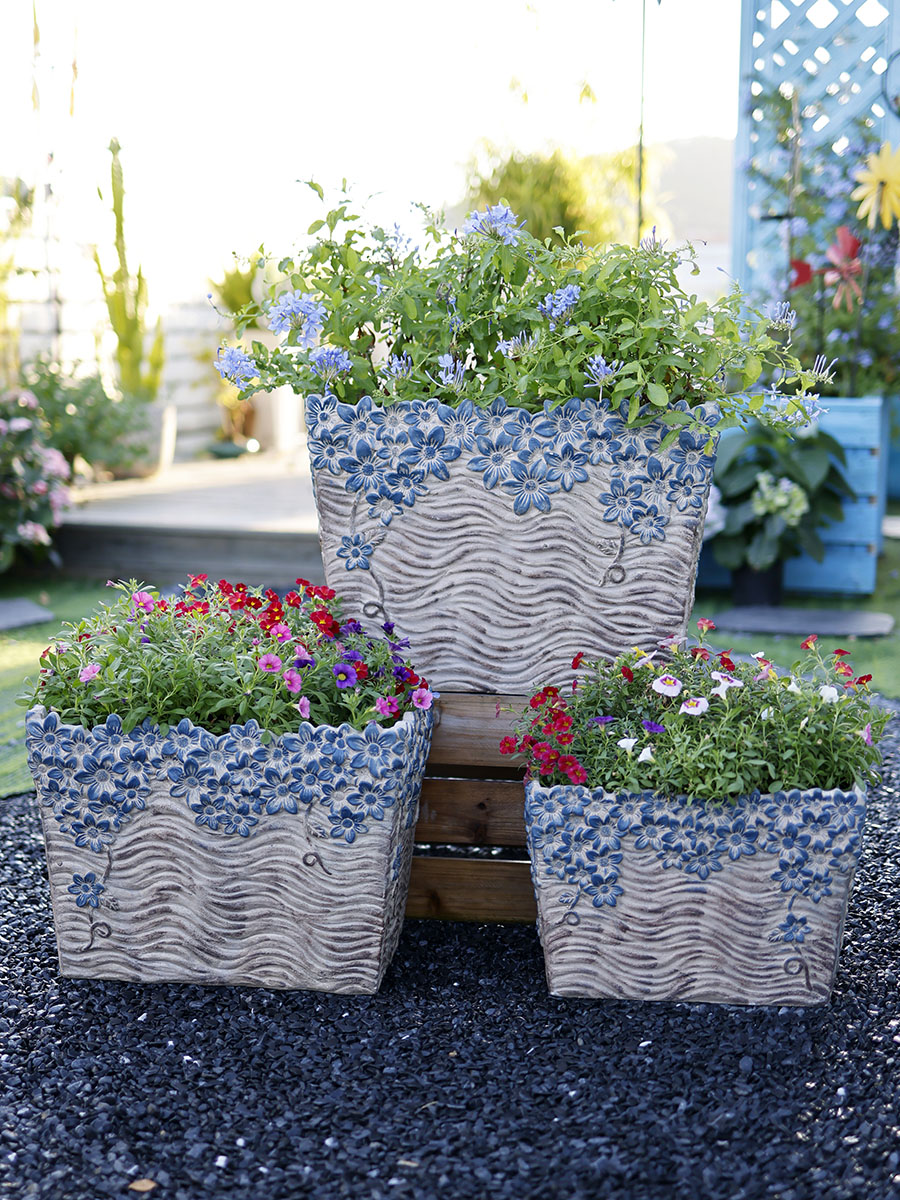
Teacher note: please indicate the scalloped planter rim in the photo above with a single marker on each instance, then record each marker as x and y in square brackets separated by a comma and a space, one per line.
[223, 859]
[498, 539]
[651, 898]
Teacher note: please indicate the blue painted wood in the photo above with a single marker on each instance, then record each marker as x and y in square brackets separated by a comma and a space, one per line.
[893, 466]
[861, 425]
[832, 54]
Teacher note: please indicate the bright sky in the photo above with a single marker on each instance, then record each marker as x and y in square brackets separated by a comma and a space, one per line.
[221, 106]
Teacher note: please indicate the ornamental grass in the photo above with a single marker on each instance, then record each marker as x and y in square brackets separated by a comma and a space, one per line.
[225, 653]
[688, 721]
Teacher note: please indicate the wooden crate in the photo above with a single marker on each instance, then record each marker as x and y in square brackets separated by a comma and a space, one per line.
[471, 797]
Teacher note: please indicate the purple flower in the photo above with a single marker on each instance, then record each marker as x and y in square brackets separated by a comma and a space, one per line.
[600, 720]
[652, 727]
[345, 675]
[269, 662]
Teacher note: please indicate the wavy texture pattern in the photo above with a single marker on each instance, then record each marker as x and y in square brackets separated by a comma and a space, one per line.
[490, 598]
[291, 905]
[764, 928]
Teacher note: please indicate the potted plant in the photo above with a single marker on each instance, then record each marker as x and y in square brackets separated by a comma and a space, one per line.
[33, 493]
[502, 426]
[228, 786]
[777, 492]
[694, 823]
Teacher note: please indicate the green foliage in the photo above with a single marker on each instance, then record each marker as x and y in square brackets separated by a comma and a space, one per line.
[81, 420]
[777, 493]
[235, 291]
[466, 295]
[32, 475]
[16, 201]
[139, 370]
[704, 727]
[210, 656]
[850, 313]
[594, 198]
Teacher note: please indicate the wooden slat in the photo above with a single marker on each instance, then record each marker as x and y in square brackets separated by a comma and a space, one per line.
[472, 812]
[470, 889]
[470, 728]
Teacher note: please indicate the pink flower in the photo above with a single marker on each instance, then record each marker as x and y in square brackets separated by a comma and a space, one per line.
[303, 707]
[143, 600]
[387, 705]
[281, 631]
[866, 734]
[270, 662]
[696, 706]
[293, 681]
[86, 674]
[667, 685]
[422, 698]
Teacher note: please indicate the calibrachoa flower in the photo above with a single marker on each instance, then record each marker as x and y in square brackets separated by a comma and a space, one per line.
[292, 680]
[386, 705]
[774, 734]
[143, 601]
[303, 707]
[345, 675]
[422, 698]
[91, 671]
[270, 662]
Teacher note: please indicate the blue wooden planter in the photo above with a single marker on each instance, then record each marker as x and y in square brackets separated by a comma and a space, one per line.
[892, 403]
[852, 546]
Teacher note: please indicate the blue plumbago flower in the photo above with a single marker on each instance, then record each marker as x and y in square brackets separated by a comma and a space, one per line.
[397, 366]
[822, 369]
[497, 220]
[518, 346]
[530, 486]
[300, 311]
[235, 364]
[781, 316]
[86, 890]
[495, 460]
[651, 242]
[558, 306]
[329, 362]
[598, 370]
[357, 552]
[452, 372]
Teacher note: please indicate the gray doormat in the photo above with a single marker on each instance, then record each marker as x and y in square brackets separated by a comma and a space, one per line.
[14, 613]
[761, 618]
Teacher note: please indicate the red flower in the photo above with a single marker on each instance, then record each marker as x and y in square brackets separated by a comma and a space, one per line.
[705, 625]
[565, 739]
[726, 661]
[809, 642]
[842, 668]
[508, 745]
[700, 652]
[577, 774]
[803, 272]
[577, 660]
[293, 599]
[321, 593]
[840, 653]
[362, 671]
[326, 622]
[628, 673]
[844, 255]
[568, 762]
[196, 580]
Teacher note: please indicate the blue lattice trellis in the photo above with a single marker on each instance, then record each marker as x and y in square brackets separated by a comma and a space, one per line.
[827, 60]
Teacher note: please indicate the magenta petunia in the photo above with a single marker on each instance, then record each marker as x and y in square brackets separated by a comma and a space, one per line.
[387, 706]
[270, 662]
[422, 698]
[302, 707]
[293, 681]
[144, 601]
[86, 674]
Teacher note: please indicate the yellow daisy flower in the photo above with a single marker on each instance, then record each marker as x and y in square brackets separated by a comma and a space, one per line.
[879, 187]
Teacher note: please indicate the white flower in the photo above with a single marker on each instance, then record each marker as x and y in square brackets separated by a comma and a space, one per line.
[627, 743]
[696, 706]
[725, 682]
[667, 685]
[645, 755]
[766, 714]
[828, 693]
[792, 687]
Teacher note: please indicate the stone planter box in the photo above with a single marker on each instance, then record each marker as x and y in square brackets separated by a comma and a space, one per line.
[220, 859]
[644, 897]
[496, 539]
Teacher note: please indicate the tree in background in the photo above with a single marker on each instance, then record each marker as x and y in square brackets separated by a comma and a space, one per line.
[595, 195]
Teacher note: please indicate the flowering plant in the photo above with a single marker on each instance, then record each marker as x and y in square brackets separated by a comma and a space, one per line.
[702, 726]
[32, 475]
[226, 653]
[490, 311]
[777, 492]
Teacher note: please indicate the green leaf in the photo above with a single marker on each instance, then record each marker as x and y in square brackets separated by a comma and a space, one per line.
[315, 227]
[657, 394]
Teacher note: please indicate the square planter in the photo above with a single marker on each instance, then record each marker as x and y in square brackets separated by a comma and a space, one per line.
[649, 898]
[223, 859]
[533, 536]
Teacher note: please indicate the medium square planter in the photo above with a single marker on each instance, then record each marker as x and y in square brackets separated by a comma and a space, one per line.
[644, 897]
[504, 538]
[224, 860]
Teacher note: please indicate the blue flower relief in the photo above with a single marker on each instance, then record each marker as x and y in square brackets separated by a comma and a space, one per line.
[369, 799]
[365, 470]
[237, 819]
[603, 889]
[384, 505]
[622, 503]
[530, 486]
[567, 466]
[91, 832]
[209, 811]
[460, 424]
[738, 840]
[686, 492]
[356, 550]
[650, 525]
[495, 458]
[86, 890]
[361, 422]
[279, 792]
[656, 485]
[181, 740]
[430, 453]
[407, 484]
[347, 823]
[562, 425]
[689, 454]
[327, 452]
[188, 778]
[99, 775]
[374, 750]
[321, 413]
[791, 929]
[499, 418]
[109, 737]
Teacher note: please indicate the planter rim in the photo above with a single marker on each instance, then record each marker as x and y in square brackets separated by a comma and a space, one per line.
[532, 787]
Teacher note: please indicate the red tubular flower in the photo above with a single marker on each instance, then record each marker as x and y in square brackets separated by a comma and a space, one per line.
[565, 739]
[628, 673]
[726, 661]
[700, 652]
[293, 599]
[567, 762]
[842, 668]
[196, 580]
[362, 671]
[809, 642]
[577, 660]
[578, 774]
[840, 653]
[705, 625]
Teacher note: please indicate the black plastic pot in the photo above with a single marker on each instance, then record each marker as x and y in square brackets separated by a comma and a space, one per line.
[750, 587]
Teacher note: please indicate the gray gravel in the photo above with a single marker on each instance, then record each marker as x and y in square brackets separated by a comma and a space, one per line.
[462, 1078]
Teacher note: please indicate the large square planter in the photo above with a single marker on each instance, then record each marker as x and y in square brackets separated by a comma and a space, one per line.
[649, 898]
[499, 539]
[225, 860]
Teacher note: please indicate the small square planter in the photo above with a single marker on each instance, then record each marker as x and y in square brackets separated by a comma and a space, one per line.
[534, 535]
[223, 859]
[644, 897]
